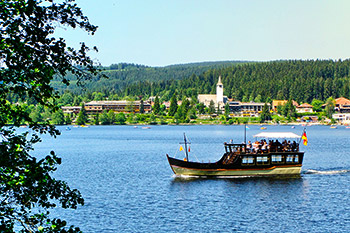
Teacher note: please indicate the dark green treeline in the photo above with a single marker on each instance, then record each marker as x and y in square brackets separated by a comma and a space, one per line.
[302, 81]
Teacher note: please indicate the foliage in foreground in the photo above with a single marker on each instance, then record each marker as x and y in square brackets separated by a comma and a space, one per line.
[29, 59]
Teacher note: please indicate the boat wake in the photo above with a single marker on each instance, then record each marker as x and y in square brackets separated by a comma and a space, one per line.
[329, 172]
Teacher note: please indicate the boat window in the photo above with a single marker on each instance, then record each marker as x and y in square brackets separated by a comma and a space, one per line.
[289, 159]
[292, 159]
[296, 158]
[276, 159]
[261, 160]
[247, 160]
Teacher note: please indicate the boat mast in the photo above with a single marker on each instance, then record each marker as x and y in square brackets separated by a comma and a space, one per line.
[302, 135]
[245, 134]
[186, 147]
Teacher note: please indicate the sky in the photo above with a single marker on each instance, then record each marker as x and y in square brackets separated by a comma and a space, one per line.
[165, 32]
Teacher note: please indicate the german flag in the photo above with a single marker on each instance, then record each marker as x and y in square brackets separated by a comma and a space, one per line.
[304, 138]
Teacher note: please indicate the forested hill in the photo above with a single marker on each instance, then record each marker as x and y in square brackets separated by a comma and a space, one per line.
[124, 74]
[302, 81]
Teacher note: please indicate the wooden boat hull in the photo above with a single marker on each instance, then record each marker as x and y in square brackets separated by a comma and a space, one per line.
[274, 171]
[184, 168]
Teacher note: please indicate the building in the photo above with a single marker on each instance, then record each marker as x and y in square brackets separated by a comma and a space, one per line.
[303, 108]
[219, 99]
[249, 109]
[342, 105]
[70, 110]
[125, 106]
[276, 103]
[343, 118]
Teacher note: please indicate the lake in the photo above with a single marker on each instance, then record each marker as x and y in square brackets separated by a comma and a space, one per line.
[128, 185]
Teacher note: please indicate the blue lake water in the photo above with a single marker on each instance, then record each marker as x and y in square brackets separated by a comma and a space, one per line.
[128, 185]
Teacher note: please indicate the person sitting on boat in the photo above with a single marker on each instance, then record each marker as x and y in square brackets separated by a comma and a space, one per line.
[289, 146]
[249, 146]
[278, 146]
[264, 147]
[284, 145]
[255, 146]
[294, 146]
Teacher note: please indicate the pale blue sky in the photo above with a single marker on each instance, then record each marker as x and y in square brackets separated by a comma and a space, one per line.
[164, 32]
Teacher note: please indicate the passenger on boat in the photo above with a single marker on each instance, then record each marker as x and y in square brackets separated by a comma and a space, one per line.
[284, 145]
[278, 146]
[249, 146]
[264, 147]
[255, 146]
[294, 146]
[289, 146]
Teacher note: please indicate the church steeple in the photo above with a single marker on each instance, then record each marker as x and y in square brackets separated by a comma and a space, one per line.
[219, 92]
[219, 81]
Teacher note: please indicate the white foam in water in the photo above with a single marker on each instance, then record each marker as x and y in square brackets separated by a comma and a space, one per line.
[185, 176]
[332, 172]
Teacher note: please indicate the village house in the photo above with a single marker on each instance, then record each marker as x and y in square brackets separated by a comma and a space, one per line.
[343, 118]
[304, 108]
[342, 105]
[276, 103]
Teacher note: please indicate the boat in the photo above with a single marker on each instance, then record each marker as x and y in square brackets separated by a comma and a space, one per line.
[333, 127]
[240, 160]
[262, 128]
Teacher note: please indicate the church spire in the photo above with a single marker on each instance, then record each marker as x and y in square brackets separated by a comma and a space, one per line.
[219, 81]
[219, 92]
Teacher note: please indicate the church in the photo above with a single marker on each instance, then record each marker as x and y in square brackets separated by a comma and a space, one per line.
[219, 99]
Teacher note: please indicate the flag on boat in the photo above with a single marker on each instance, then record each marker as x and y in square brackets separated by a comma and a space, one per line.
[181, 148]
[189, 149]
[304, 138]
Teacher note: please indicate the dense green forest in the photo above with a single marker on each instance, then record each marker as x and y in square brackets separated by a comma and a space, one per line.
[302, 81]
[123, 75]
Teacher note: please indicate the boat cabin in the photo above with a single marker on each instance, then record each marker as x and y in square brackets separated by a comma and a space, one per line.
[232, 148]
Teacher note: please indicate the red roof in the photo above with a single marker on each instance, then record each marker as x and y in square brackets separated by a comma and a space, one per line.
[305, 105]
[342, 101]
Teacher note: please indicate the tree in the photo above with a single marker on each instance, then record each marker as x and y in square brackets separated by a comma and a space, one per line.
[111, 117]
[104, 118]
[120, 118]
[30, 57]
[211, 109]
[96, 119]
[156, 106]
[67, 120]
[265, 114]
[200, 108]
[257, 99]
[58, 117]
[173, 105]
[82, 116]
[329, 110]
[227, 110]
[317, 105]
[142, 107]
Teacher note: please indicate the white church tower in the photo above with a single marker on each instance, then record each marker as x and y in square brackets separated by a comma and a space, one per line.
[219, 92]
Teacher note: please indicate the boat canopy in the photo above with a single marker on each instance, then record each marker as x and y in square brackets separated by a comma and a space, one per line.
[276, 135]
